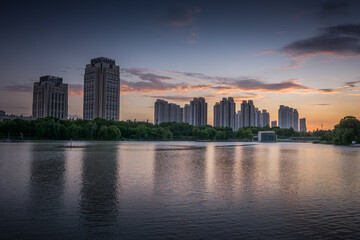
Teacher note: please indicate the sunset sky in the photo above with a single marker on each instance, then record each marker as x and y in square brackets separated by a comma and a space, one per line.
[304, 54]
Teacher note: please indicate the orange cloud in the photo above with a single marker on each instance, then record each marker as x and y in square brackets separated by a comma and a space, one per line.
[76, 90]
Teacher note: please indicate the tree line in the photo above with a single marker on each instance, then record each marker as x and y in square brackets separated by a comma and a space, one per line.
[344, 133]
[100, 129]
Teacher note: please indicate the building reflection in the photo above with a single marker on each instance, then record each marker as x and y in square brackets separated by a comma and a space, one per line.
[224, 172]
[46, 192]
[248, 157]
[288, 173]
[47, 179]
[99, 202]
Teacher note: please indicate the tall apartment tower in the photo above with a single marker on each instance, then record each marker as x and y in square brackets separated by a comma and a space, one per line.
[237, 120]
[217, 115]
[248, 114]
[186, 113]
[288, 117]
[161, 113]
[224, 113]
[167, 112]
[175, 113]
[264, 119]
[303, 125]
[50, 98]
[198, 112]
[102, 90]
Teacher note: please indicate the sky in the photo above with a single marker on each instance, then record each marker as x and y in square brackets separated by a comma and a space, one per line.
[303, 54]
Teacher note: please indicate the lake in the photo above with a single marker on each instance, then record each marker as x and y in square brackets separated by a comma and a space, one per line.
[183, 190]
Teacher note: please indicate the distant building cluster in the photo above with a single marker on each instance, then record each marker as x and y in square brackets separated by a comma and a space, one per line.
[251, 116]
[167, 112]
[198, 112]
[5, 117]
[102, 100]
[194, 113]
[288, 117]
[224, 113]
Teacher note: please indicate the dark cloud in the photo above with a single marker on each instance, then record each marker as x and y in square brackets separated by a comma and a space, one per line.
[177, 98]
[144, 75]
[150, 82]
[74, 89]
[19, 88]
[342, 41]
[353, 84]
[333, 8]
[254, 84]
[328, 90]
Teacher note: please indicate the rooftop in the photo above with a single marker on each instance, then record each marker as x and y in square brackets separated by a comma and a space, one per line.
[102, 59]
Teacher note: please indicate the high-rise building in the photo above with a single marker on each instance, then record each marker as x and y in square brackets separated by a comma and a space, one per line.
[258, 117]
[244, 115]
[161, 113]
[264, 119]
[186, 113]
[273, 123]
[237, 120]
[167, 112]
[175, 113]
[224, 113]
[198, 112]
[250, 116]
[217, 115]
[50, 98]
[288, 117]
[303, 125]
[102, 89]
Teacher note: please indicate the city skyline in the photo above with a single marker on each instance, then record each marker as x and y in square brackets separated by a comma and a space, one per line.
[272, 53]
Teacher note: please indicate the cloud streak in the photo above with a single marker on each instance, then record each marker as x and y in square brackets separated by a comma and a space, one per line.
[142, 81]
[341, 41]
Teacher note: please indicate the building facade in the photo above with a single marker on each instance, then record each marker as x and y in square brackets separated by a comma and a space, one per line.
[186, 113]
[264, 119]
[250, 116]
[224, 113]
[198, 112]
[303, 125]
[167, 112]
[288, 117]
[217, 115]
[273, 123]
[102, 90]
[50, 98]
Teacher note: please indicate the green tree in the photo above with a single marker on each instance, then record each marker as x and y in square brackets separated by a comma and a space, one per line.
[113, 133]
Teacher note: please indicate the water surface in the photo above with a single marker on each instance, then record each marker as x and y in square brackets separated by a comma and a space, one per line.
[140, 190]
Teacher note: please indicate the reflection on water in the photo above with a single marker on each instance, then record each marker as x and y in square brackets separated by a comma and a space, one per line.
[99, 203]
[47, 180]
[192, 190]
